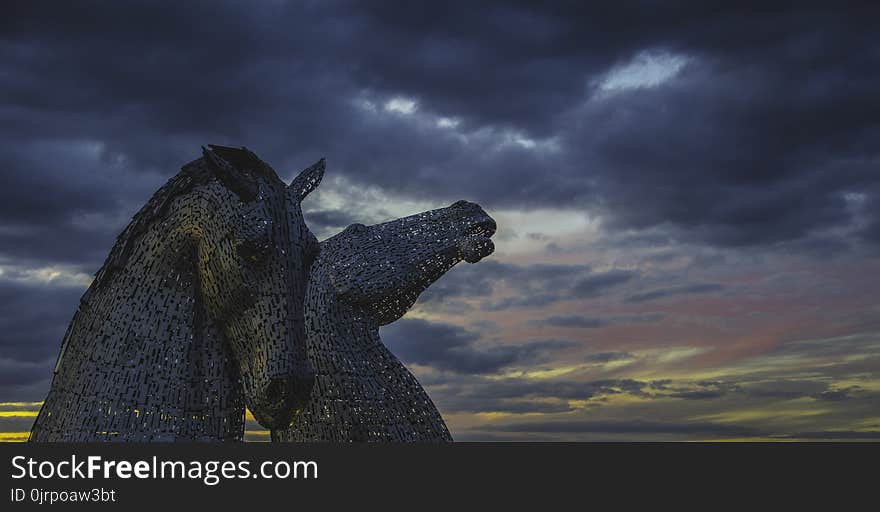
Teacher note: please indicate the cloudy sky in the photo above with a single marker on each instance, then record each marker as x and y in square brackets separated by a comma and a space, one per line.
[688, 198]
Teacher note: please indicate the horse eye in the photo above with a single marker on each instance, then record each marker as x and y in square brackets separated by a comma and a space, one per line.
[253, 252]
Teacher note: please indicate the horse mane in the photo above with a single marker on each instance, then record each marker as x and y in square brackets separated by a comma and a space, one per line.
[238, 169]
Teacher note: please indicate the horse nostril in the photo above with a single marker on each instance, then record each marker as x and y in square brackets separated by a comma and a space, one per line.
[490, 226]
[276, 391]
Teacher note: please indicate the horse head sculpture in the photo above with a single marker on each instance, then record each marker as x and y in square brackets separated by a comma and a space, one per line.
[363, 278]
[197, 312]
[384, 268]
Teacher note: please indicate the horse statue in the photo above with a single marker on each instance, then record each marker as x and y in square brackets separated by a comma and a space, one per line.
[196, 313]
[363, 278]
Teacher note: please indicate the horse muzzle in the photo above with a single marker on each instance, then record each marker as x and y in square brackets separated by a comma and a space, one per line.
[477, 241]
[282, 399]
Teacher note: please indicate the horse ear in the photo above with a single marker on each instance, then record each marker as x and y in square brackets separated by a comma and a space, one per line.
[229, 175]
[308, 180]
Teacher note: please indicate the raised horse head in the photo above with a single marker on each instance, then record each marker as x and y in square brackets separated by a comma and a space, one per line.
[384, 268]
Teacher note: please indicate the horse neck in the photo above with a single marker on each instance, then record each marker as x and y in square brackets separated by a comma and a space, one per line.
[140, 351]
[332, 326]
[344, 347]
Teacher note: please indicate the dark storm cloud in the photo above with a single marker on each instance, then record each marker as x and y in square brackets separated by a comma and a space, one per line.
[839, 395]
[486, 395]
[781, 188]
[870, 231]
[866, 345]
[22, 374]
[33, 319]
[595, 322]
[24, 381]
[750, 144]
[758, 140]
[661, 293]
[470, 395]
[779, 389]
[605, 357]
[473, 404]
[700, 390]
[593, 285]
[584, 322]
[534, 286]
[534, 301]
[589, 286]
[787, 389]
[320, 221]
[471, 281]
[451, 348]
[62, 202]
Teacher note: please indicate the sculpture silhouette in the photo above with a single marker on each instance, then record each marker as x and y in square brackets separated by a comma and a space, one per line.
[365, 277]
[197, 312]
